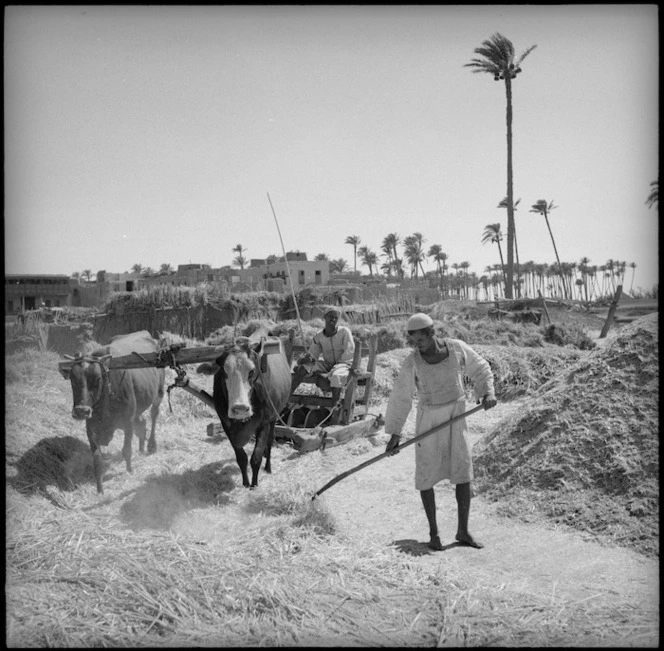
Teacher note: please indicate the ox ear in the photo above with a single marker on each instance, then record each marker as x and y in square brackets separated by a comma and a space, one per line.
[207, 368]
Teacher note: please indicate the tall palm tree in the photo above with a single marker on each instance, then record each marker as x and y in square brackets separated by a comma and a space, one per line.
[239, 259]
[653, 197]
[498, 59]
[166, 269]
[321, 257]
[542, 208]
[87, 274]
[137, 268]
[353, 240]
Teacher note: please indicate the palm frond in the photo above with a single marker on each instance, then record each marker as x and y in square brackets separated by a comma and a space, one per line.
[517, 63]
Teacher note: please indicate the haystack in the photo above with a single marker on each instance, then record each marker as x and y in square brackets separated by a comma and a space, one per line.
[585, 449]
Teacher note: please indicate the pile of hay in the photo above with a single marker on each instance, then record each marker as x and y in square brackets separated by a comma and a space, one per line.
[585, 452]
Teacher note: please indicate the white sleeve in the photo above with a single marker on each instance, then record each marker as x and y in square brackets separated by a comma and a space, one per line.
[401, 397]
[477, 369]
[349, 347]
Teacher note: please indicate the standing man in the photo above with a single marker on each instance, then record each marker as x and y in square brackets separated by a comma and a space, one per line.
[329, 357]
[435, 369]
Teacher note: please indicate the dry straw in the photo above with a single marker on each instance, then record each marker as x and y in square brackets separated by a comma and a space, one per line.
[178, 555]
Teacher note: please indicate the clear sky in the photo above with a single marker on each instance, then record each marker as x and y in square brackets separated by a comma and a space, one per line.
[154, 134]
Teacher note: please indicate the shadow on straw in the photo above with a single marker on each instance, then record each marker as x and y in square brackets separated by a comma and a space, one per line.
[414, 548]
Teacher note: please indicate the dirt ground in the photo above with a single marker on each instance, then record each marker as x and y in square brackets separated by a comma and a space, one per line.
[532, 557]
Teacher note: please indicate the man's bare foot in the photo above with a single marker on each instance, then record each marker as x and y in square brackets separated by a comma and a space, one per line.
[435, 544]
[469, 541]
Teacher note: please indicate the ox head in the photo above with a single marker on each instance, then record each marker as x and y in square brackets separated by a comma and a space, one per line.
[239, 368]
[88, 375]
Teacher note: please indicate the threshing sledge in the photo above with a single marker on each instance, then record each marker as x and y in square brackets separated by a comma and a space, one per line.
[310, 421]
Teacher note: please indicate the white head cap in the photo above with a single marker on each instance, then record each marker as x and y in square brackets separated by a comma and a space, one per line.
[419, 321]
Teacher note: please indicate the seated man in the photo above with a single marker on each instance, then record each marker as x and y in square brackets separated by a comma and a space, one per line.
[335, 344]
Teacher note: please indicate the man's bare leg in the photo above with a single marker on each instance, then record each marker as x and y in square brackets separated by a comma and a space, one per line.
[463, 504]
[429, 503]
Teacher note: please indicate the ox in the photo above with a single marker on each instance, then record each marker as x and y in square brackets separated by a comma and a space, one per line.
[110, 399]
[251, 388]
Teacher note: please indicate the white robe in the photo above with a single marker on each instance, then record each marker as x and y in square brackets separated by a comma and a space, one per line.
[445, 454]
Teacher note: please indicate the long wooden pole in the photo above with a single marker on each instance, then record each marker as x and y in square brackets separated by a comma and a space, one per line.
[290, 279]
[415, 439]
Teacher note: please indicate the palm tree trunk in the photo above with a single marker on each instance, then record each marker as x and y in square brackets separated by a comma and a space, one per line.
[502, 263]
[509, 280]
[518, 269]
[560, 267]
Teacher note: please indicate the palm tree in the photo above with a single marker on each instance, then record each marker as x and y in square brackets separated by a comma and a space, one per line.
[147, 272]
[389, 246]
[464, 265]
[87, 274]
[633, 267]
[492, 233]
[498, 59]
[166, 269]
[137, 268]
[584, 268]
[653, 197]
[353, 240]
[239, 259]
[76, 275]
[541, 207]
[322, 257]
[368, 258]
[338, 265]
[439, 256]
[414, 252]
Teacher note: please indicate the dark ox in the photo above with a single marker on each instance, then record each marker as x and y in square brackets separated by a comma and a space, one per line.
[110, 399]
[251, 387]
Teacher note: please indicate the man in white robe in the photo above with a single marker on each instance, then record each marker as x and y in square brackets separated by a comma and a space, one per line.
[434, 371]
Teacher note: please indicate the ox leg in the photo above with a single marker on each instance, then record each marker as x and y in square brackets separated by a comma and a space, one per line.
[152, 441]
[140, 430]
[241, 457]
[126, 448]
[97, 461]
[268, 448]
[262, 448]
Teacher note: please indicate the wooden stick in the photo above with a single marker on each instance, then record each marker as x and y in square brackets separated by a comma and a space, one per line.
[160, 360]
[612, 311]
[415, 439]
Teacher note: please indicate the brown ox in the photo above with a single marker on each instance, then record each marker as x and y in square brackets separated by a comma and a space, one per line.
[251, 388]
[110, 399]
